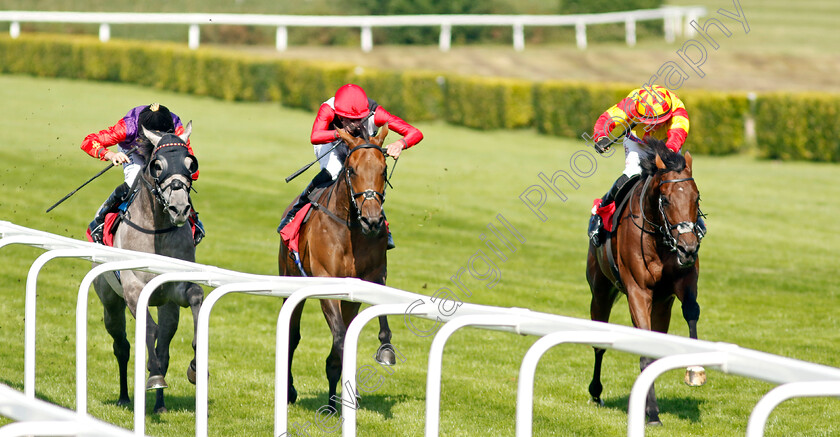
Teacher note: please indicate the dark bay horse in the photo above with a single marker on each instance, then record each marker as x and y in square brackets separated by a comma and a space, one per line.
[345, 237]
[154, 223]
[655, 247]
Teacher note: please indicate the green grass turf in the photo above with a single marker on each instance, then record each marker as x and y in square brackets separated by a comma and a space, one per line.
[768, 280]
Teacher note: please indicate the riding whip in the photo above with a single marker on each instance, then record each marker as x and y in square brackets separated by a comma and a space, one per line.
[306, 167]
[89, 180]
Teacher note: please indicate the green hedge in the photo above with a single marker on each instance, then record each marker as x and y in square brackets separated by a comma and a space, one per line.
[798, 126]
[570, 109]
[716, 121]
[789, 126]
[488, 103]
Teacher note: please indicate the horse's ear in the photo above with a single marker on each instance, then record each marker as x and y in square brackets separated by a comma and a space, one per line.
[688, 160]
[187, 131]
[151, 135]
[350, 140]
[380, 137]
[659, 163]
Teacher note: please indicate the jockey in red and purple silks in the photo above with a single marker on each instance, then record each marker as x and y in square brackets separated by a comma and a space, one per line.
[126, 134]
[350, 109]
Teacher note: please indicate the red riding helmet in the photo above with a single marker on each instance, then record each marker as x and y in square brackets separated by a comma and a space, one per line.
[351, 101]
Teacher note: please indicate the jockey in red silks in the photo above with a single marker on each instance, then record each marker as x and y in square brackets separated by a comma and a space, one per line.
[652, 111]
[350, 109]
[126, 134]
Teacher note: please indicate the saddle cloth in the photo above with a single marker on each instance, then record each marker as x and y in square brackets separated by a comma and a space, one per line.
[610, 212]
[112, 219]
[291, 232]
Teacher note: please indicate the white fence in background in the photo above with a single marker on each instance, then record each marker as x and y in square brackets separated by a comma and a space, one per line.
[796, 378]
[675, 19]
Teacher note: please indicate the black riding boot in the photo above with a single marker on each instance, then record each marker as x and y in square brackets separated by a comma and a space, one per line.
[199, 232]
[610, 196]
[391, 244]
[111, 204]
[594, 229]
[595, 222]
[319, 179]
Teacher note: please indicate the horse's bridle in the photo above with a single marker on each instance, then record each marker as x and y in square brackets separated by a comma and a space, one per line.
[366, 194]
[666, 229]
[156, 189]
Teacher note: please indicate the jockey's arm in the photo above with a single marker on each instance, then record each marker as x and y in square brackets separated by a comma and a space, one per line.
[411, 135]
[96, 144]
[678, 125]
[612, 117]
[321, 132]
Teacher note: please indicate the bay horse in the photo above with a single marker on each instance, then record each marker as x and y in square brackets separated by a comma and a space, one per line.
[655, 251]
[154, 223]
[344, 237]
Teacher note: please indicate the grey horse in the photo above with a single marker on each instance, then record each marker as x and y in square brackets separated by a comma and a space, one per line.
[154, 223]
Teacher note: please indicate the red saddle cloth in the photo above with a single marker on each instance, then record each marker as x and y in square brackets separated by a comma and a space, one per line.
[606, 213]
[291, 232]
[107, 229]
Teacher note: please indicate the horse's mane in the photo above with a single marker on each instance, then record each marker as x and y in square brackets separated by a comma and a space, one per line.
[144, 147]
[674, 161]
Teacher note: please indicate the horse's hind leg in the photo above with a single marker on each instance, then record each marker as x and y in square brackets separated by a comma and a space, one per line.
[168, 316]
[385, 355]
[114, 316]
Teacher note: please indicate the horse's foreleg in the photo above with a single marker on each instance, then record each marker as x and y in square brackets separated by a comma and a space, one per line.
[385, 355]
[294, 340]
[115, 325]
[603, 298]
[696, 375]
[153, 365]
[195, 297]
[168, 316]
[651, 407]
[338, 315]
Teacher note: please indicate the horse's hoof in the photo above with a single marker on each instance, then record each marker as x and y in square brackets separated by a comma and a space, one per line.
[124, 402]
[598, 402]
[386, 356]
[654, 423]
[160, 410]
[291, 395]
[695, 376]
[191, 373]
[155, 382]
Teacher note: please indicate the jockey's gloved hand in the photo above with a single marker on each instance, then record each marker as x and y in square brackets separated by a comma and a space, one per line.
[602, 145]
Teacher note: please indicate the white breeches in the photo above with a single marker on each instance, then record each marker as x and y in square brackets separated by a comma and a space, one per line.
[131, 171]
[330, 161]
[633, 155]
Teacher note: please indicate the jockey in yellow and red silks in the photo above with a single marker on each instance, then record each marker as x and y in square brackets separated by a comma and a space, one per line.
[652, 111]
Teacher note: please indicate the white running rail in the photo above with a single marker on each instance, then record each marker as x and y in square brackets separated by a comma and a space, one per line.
[796, 378]
[675, 18]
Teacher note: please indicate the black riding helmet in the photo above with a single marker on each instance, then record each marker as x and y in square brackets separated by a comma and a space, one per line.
[157, 117]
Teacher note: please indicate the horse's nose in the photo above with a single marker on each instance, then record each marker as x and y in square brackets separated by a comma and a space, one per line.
[372, 224]
[179, 213]
[688, 254]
